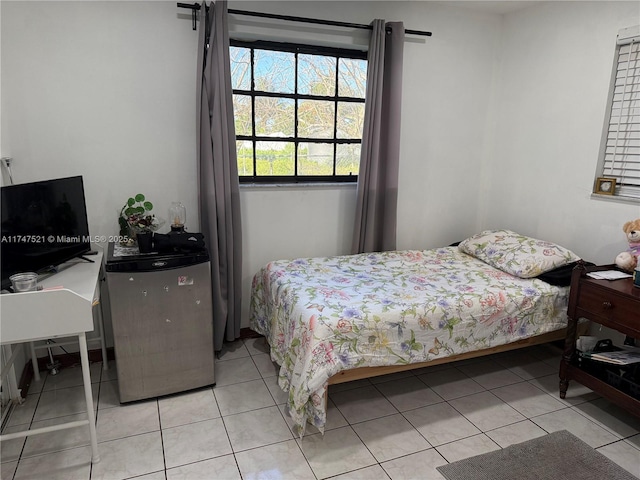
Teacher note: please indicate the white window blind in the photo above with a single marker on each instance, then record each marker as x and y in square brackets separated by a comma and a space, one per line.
[620, 153]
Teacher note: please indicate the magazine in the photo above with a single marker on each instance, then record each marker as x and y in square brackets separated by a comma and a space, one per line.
[608, 275]
[621, 357]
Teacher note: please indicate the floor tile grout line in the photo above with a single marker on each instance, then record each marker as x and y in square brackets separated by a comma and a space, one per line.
[427, 387]
[306, 459]
[472, 423]
[164, 456]
[564, 407]
[365, 444]
[579, 399]
[484, 434]
[24, 443]
[526, 418]
[596, 422]
[632, 445]
[226, 431]
[481, 432]
[419, 451]
[516, 409]
[356, 470]
[610, 443]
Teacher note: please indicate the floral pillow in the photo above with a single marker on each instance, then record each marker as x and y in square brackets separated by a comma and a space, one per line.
[519, 255]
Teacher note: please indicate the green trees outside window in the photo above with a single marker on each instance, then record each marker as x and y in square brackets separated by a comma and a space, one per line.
[299, 111]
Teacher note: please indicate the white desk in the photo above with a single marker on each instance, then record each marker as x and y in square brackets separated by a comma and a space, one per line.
[63, 311]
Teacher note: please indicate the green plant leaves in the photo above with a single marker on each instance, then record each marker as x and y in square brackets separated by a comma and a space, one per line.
[136, 216]
[137, 205]
[133, 210]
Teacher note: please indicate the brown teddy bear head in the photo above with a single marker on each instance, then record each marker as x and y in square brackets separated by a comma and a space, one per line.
[632, 229]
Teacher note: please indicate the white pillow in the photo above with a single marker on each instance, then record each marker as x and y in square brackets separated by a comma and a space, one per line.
[519, 255]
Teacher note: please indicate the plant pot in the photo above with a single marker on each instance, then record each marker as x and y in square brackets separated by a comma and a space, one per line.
[145, 242]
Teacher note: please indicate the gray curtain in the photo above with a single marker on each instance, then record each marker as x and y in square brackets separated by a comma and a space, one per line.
[377, 196]
[219, 195]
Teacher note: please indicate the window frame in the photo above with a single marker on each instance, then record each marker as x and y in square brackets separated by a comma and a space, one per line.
[624, 191]
[296, 49]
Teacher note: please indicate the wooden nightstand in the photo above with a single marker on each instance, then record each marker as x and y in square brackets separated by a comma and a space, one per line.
[612, 303]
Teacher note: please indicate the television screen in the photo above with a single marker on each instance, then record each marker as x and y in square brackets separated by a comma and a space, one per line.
[44, 224]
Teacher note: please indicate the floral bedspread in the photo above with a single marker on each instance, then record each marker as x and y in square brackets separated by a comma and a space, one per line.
[324, 315]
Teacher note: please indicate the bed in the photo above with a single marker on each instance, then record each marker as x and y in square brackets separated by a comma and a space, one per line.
[333, 319]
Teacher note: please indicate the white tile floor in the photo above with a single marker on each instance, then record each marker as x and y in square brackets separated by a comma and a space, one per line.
[394, 427]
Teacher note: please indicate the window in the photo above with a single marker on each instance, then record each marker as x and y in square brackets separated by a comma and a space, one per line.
[620, 148]
[299, 112]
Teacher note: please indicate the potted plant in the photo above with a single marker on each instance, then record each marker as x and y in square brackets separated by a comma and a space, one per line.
[137, 222]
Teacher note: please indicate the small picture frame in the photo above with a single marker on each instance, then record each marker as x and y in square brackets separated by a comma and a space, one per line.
[605, 186]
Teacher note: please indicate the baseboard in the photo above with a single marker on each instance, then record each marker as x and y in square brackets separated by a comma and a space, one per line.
[248, 333]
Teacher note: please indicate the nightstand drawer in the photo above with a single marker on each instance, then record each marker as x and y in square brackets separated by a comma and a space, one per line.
[607, 304]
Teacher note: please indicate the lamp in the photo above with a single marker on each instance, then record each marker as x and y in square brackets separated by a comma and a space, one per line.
[178, 216]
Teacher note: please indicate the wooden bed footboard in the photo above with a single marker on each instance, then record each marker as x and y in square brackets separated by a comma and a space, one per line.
[368, 372]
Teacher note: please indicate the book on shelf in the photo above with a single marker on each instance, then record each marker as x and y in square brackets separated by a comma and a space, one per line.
[620, 357]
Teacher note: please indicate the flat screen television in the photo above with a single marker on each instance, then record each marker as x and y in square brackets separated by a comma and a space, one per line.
[44, 224]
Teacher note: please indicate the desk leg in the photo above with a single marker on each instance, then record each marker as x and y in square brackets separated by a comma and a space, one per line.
[103, 342]
[34, 362]
[86, 377]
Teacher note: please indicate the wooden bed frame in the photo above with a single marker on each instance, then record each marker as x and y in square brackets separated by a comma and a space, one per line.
[368, 372]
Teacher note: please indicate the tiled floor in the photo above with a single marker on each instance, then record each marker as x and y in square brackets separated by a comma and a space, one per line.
[394, 427]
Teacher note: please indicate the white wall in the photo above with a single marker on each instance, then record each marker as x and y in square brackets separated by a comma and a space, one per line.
[447, 82]
[107, 90]
[104, 90]
[446, 105]
[556, 63]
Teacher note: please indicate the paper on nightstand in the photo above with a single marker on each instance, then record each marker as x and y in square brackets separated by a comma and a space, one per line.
[608, 275]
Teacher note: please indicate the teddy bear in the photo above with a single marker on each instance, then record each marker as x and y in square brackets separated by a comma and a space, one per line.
[628, 260]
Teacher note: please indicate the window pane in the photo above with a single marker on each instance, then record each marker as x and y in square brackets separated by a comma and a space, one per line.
[240, 68]
[275, 158]
[315, 159]
[316, 75]
[352, 78]
[350, 120]
[244, 151]
[242, 114]
[274, 116]
[277, 128]
[348, 161]
[275, 71]
[315, 119]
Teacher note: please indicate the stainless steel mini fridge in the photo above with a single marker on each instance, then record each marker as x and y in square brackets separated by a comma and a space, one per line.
[162, 322]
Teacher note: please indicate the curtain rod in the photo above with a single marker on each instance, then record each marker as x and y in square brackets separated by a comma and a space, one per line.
[196, 6]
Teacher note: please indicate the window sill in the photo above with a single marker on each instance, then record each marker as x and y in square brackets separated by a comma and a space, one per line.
[615, 199]
[251, 186]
